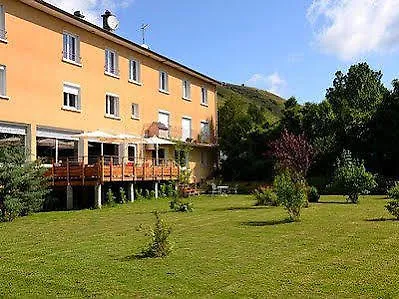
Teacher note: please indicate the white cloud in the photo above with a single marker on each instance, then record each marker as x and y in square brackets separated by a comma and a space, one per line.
[91, 9]
[352, 28]
[273, 82]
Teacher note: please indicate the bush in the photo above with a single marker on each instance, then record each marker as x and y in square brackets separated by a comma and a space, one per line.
[23, 186]
[291, 194]
[179, 204]
[159, 245]
[313, 194]
[393, 193]
[122, 196]
[265, 197]
[110, 198]
[393, 208]
[351, 177]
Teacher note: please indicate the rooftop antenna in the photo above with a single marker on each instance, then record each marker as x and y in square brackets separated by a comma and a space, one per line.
[143, 29]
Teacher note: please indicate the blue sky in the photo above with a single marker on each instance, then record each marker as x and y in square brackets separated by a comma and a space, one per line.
[290, 47]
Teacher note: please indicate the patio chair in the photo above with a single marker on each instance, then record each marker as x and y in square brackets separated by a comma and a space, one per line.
[214, 190]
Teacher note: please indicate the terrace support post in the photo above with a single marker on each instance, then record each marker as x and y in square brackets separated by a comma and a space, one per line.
[69, 197]
[98, 196]
[156, 187]
[83, 150]
[31, 142]
[131, 192]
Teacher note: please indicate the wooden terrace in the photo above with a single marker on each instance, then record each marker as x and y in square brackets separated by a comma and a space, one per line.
[74, 173]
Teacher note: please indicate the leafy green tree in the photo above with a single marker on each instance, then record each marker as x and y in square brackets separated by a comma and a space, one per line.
[23, 186]
[352, 178]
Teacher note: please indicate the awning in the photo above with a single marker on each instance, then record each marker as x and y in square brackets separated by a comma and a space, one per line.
[157, 140]
[103, 136]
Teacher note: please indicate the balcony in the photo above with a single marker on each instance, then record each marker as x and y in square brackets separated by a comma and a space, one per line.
[177, 133]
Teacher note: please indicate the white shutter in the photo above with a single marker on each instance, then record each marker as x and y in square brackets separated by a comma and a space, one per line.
[186, 128]
[71, 89]
[138, 67]
[117, 107]
[166, 82]
[160, 81]
[116, 72]
[2, 22]
[2, 80]
[65, 45]
[163, 118]
[131, 69]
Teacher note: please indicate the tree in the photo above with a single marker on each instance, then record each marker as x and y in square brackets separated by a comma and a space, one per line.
[351, 177]
[23, 184]
[293, 153]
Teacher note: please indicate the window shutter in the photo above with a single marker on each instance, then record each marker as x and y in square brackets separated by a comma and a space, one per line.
[166, 82]
[131, 69]
[2, 80]
[2, 22]
[65, 46]
[160, 80]
[116, 64]
[77, 49]
[138, 71]
[106, 60]
[117, 107]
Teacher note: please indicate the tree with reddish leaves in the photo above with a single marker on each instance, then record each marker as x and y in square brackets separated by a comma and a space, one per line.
[293, 153]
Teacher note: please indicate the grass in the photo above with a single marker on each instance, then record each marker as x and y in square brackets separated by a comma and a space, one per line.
[225, 248]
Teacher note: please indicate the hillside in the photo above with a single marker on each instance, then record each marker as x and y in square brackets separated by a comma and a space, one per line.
[273, 103]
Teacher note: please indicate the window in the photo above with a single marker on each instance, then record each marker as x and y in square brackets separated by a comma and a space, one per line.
[2, 23]
[71, 96]
[205, 133]
[163, 81]
[111, 63]
[71, 48]
[112, 106]
[163, 117]
[204, 96]
[186, 128]
[3, 82]
[134, 71]
[186, 90]
[135, 111]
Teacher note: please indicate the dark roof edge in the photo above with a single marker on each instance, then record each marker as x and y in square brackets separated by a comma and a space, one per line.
[160, 57]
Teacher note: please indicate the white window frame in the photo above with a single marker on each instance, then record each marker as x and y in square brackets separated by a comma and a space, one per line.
[78, 106]
[190, 135]
[138, 71]
[3, 32]
[164, 89]
[135, 111]
[107, 69]
[186, 84]
[67, 56]
[108, 106]
[3, 83]
[204, 96]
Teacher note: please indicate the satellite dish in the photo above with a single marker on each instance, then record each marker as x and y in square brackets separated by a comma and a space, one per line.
[112, 22]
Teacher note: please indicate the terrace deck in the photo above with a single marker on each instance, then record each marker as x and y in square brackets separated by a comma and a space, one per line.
[80, 174]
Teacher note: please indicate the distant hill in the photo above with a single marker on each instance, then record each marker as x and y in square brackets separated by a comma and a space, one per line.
[273, 103]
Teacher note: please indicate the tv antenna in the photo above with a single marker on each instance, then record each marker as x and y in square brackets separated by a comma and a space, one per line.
[143, 29]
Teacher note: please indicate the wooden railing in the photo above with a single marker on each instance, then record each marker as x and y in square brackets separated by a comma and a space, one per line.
[80, 174]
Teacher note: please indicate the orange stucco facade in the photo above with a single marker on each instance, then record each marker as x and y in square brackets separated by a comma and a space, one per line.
[36, 73]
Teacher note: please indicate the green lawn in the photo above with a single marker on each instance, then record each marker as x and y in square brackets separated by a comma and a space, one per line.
[225, 248]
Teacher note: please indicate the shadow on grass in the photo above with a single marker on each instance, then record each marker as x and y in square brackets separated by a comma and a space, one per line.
[241, 208]
[267, 223]
[335, 202]
[381, 219]
[133, 257]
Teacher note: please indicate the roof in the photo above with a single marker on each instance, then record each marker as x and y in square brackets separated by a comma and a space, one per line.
[92, 28]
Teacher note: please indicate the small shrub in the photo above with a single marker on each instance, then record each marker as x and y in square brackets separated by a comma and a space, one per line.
[265, 197]
[179, 204]
[393, 208]
[393, 193]
[291, 194]
[313, 194]
[122, 196]
[171, 190]
[147, 194]
[159, 245]
[351, 177]
[110, 197]
[152, 194]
